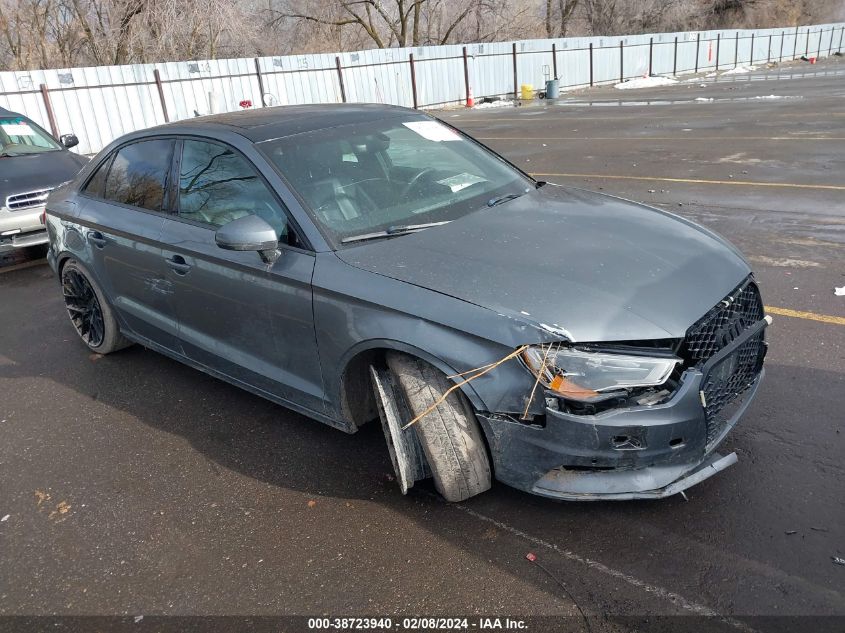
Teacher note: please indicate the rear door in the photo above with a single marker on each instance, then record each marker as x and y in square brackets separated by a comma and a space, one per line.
[123, 208]
[237, 315]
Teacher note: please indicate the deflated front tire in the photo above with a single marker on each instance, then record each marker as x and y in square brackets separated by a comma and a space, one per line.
[450, 435]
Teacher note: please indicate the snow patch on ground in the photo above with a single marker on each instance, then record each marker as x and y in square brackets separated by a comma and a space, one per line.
[704, 98]
[493, 104]
[772, 97]
[739, 70]
[645, 82]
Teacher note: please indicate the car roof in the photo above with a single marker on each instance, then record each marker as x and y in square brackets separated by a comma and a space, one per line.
[262, 124]
[5, 112]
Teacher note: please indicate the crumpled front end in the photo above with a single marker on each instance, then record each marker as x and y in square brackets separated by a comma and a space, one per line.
[650, 450]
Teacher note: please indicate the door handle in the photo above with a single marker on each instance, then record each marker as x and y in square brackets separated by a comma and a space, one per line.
[97, 239]
[178, 264]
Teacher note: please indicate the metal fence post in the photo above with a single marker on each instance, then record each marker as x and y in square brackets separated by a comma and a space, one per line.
[830, 46]
[675, 59]
[841, 33]
[807, 47]
[466, 75]
[751, 61]
[736, 50]
[515, 84]
[260, 83]
[769, 55]
[554, 58]
[591, 60]
[697, 49]
[782, 37]
[718, 47]
[650, 56]
[340, 78]
[51, 116]
[413, 80]
[795, 44]
[621, 61]
[157, 77]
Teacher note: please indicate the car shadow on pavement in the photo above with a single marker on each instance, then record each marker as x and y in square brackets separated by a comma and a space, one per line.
[260, 440]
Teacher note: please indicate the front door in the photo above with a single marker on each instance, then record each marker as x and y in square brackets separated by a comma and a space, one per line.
[237, 315]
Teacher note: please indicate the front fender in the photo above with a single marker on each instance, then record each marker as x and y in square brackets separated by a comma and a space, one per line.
[356, 311]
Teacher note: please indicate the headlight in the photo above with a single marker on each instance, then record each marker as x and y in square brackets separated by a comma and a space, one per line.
[584, 375]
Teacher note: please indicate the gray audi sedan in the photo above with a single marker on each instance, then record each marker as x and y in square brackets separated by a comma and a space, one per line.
[362, 262]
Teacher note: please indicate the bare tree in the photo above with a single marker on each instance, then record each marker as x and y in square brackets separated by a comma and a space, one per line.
[558, 15]
[387, 22]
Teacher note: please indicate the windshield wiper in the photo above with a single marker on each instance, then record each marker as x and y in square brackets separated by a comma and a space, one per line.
[492, 202]
[399, 229]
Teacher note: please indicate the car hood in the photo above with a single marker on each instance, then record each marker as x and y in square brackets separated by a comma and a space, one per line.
[20, 174]
[581, 265]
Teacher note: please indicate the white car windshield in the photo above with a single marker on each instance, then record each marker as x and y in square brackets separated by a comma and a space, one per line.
[18, 136]
[383, 178]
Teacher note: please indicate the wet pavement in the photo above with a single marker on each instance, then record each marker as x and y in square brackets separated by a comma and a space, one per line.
[135, 485]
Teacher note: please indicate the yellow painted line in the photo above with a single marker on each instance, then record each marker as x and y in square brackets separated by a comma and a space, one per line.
[697, 181]
[811, 316]
[661, 138]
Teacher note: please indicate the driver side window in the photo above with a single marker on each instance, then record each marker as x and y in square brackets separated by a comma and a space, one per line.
[217, 185]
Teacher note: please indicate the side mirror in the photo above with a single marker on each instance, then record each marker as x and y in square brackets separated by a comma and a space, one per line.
[69, 140]
[249, 233]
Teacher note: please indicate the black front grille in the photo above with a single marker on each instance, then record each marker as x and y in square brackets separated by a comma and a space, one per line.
[724, 322]
[727, 378]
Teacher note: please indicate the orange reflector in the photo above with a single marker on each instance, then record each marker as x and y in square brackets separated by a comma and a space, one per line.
[569, 389]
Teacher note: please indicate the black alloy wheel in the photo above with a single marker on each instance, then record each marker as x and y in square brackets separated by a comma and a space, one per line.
[83, 307]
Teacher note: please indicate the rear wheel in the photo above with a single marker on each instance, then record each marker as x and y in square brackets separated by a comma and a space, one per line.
[89, 312]
[450, 435]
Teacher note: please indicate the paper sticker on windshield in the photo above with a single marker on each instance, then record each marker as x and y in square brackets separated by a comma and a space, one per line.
[432, 130]
[16, 128]
[461, 181]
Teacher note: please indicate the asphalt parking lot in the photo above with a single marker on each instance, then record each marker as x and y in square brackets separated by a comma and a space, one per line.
[134, 485]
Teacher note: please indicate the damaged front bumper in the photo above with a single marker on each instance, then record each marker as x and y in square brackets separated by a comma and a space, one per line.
[622, 485]
[642, 452]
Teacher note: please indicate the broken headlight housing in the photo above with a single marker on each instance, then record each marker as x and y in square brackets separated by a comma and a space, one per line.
[591, 376]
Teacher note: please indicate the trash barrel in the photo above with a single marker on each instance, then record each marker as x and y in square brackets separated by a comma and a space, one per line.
[526, 92]
[552, 89]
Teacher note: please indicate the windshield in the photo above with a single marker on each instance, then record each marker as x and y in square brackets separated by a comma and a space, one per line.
[379, 179]
[19, 136]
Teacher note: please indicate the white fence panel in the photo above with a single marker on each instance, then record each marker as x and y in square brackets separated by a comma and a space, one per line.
[636, 56]
[605, 60]
[440, 75]
[298, 79]
[491, 69]
[102, 103]
[573, 63]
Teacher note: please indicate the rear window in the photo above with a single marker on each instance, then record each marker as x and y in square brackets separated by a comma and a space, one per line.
[138, 174]
[97, 184]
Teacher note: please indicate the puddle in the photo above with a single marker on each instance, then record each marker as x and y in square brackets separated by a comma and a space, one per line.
[691, 100]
